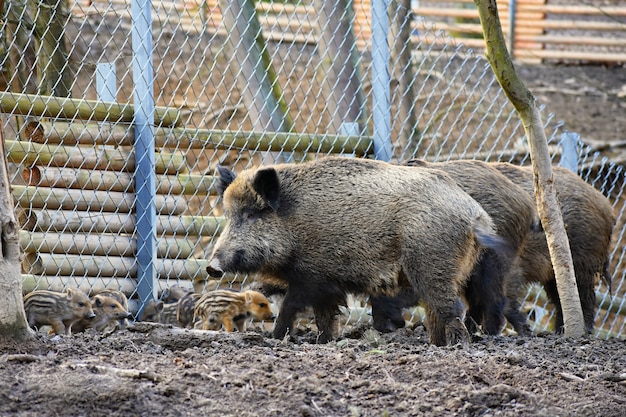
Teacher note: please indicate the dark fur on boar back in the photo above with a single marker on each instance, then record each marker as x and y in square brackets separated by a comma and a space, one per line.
[493, 292]
[339, 225]
[589, 220]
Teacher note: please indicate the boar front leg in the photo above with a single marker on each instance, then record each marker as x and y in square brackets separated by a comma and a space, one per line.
[444, 324]
[292, 304]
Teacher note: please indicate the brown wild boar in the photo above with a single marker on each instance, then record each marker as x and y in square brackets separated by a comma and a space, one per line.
[589, 219]
[336, 226]
[231, 309]
[493, 293]
[59, 310]
[108, 314]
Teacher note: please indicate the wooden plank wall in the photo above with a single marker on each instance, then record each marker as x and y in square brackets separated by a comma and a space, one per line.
[561, 30]
[557, 30]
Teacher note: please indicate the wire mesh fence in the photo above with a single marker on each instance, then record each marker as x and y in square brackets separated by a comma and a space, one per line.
[237, 83]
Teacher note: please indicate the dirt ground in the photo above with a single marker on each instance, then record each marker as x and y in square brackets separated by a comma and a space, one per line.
[158, 370]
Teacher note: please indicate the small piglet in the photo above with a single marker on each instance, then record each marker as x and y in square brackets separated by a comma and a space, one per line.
[59, 310]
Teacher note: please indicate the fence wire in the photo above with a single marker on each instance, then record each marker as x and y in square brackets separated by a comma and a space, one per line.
[238, 83]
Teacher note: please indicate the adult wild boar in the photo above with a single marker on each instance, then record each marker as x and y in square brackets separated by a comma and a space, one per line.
[493, 293]
[589, 220]
[339, 225]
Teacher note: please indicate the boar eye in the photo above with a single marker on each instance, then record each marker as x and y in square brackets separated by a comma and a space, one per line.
[250, 215]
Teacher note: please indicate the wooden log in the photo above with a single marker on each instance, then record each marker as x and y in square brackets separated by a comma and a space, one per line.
[91, 285]
[111, 266]
[185, 184]
[272, 141]
[100, 244]
[72, 133]
[67, 221]
[67, 108]
[95, 180]
[95, 201]
[81, 132]
[28, 153]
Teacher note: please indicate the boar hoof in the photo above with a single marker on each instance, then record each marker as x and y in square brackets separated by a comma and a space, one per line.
[456, 333]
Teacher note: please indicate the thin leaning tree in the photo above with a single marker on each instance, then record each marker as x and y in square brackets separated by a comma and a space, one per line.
[13, 324]
[547, 207]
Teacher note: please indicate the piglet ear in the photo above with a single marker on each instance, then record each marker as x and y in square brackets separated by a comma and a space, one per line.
[266, 183]
[226, 177]
[98, 301]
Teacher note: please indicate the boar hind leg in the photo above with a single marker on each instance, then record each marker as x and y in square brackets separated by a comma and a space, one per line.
[386, 314]
[553, 296]
[444, 324]
[514, 315]
[485, 294]
[326, 321]
[587, 294]
[59, 327]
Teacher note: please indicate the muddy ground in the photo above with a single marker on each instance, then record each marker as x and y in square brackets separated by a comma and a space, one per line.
[156, 370]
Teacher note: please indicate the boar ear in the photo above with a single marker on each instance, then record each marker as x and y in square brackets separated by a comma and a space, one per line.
[226, 177]
[248, 297]
[266, 183]
[98, 301]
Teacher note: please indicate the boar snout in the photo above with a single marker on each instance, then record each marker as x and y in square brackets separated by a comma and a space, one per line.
[214, 269]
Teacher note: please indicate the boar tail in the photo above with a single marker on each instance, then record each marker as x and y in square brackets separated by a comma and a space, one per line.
[488, 239]
[607, 277]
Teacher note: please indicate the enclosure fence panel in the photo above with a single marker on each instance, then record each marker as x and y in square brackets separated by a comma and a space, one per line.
[236, 83]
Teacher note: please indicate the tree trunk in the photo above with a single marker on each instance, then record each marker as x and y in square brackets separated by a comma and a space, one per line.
[252, 63]
[547, 206]
[13, 324]
[404, 123]
[338, 70]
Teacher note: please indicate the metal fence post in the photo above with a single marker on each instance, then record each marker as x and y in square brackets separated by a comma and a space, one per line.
[512, 11]
[569, 151]
[145, 181]
[106, 83]
[381, 94]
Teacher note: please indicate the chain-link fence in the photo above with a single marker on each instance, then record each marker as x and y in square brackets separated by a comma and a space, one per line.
[237, 83]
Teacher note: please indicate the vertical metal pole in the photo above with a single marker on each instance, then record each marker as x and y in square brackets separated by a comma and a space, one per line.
[512, 12]
[569, 151]
[145, 188]
[106, 82]
[381, 80]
